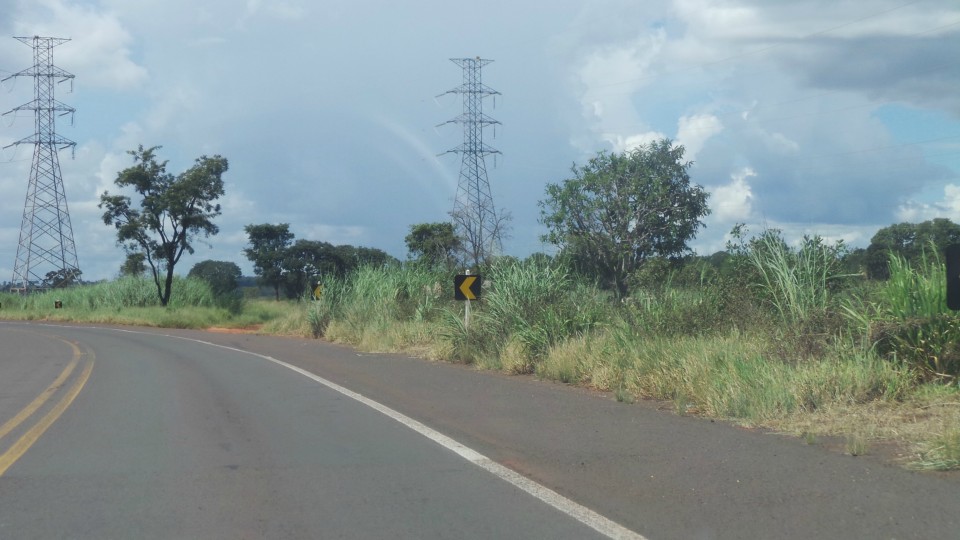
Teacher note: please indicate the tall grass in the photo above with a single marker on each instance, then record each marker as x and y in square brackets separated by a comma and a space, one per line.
[724, 375]
[796, 283]
[910, 321]
[121, 293]
[129, 300]
[380, 307]
[528, 307]
[669, 311]
[915, 292]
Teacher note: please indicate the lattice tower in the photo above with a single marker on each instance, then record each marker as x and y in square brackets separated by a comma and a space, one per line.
[46, 254]
[474, 213]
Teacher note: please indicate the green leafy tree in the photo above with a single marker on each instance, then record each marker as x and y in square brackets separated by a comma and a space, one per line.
[308, 261]
[908, 240]
[434, 244]
[173, 211]
[619, 210]
[64, 277]
[355, 257]
[267, 251]
[222, 276]
[134, 265]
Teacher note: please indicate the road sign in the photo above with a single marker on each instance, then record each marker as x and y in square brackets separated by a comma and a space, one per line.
[317, 291]
[467, 287]
[952, 259]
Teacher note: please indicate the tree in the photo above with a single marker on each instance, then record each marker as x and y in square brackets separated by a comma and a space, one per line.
[222, 276]
[134, 265]
[908, 240]
[268, 245]
[621, 209]
[307, 261]
[173, 211]
[356, 256]
[64, 277]
[433, 243]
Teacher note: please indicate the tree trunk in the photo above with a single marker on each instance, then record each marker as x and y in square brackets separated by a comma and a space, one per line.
[168, 285]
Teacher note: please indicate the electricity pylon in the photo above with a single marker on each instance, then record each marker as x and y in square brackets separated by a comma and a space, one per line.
[46, 254]
[474, 214]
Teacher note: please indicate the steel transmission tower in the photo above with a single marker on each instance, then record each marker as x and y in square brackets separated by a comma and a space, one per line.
[46, 254]
[473, 213]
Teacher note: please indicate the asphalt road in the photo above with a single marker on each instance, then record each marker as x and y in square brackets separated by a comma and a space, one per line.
[183, 434]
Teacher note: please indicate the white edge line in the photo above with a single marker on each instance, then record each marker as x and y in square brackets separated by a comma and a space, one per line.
[584, 515]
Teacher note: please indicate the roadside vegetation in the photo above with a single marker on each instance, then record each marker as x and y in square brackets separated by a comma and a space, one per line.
[810, 339]
[781, 338]
[785, 339]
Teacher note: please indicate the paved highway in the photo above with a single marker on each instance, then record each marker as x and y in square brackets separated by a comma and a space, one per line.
[129, 433]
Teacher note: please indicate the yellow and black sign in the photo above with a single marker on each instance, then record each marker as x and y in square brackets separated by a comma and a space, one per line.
[317, 291]
[467, 287]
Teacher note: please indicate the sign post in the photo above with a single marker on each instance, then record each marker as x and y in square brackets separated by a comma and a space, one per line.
[466, 308]
[467, 288]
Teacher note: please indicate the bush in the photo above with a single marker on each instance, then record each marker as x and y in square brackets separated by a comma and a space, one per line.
[930, 345]
[672, 311]
[909, 322]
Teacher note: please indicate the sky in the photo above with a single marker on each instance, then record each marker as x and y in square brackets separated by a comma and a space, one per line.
[815, 117]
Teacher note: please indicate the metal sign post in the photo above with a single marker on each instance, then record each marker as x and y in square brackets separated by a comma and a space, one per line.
[467, 288]
[466, 312]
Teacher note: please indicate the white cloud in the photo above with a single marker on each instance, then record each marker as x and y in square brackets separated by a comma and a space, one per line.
[693, 132]
[99, 46]
[172, 107]
[608, 77]
[630, 142]
[721, 19]
[334, 234]
[779, 143]
[948, 207]
[733, 202]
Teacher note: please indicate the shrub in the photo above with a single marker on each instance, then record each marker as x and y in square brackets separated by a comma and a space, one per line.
[931, 345]
[912, 323]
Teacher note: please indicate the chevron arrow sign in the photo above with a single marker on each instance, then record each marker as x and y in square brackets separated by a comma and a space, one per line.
[467, 287]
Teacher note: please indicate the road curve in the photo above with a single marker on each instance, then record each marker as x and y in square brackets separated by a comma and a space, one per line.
[172, 438]
[653, 472]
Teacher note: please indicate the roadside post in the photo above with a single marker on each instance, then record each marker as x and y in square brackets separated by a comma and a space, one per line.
[467, 288]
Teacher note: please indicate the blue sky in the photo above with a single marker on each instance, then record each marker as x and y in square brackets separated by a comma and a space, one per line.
[833, 118]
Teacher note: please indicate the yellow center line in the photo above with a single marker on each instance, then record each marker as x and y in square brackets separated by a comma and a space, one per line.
[12, 424]
[33, 434]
